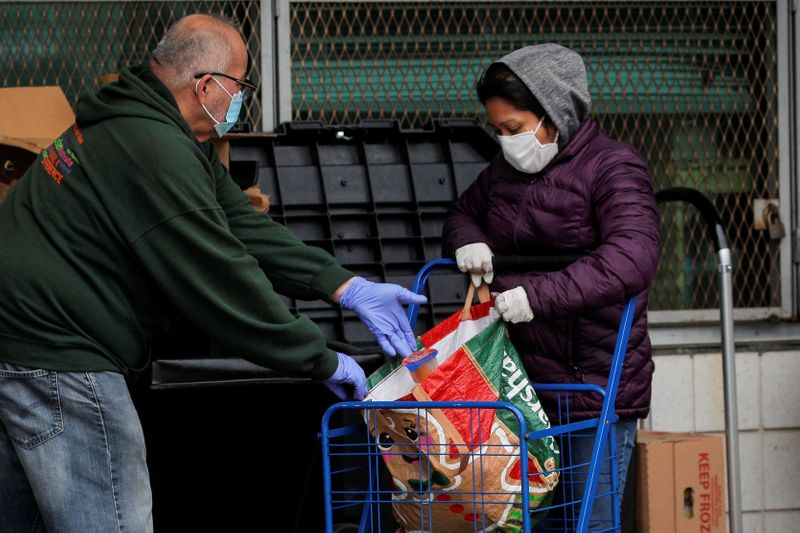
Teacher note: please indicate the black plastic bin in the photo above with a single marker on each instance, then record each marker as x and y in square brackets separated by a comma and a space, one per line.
[374, 195]
[233, 447]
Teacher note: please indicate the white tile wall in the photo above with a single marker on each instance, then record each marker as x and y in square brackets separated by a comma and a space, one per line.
[748, 390]
[709, 408]
[672, 405]
[782, 470]
[782, 522]
[751, 470]
[709, 399]
[753, 522]
[780, 373]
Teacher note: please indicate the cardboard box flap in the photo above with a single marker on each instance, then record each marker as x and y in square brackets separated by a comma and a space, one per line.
[33, 116]
[650, 437]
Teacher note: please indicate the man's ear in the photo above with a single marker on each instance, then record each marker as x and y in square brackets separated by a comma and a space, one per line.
[201, 85]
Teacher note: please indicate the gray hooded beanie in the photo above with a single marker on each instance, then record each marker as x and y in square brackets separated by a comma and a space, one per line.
[556, 76]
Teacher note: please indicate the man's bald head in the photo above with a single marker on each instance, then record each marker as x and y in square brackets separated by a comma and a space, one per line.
[197, 43]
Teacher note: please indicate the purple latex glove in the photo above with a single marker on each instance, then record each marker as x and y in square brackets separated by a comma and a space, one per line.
[347, 373]
[378, 305]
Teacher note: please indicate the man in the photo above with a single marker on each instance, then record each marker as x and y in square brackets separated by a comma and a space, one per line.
[126, 220]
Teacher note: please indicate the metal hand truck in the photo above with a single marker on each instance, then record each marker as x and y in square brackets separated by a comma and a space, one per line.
[360, 496]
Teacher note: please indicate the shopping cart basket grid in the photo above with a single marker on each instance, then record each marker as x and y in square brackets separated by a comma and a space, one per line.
[358, 491]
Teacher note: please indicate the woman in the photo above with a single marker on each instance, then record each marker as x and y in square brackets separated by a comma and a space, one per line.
[562, 186]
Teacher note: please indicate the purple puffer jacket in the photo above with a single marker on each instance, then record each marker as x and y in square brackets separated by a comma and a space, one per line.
[595, 196]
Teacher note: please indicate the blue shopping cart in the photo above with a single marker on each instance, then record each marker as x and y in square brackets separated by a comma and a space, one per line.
[361, 496]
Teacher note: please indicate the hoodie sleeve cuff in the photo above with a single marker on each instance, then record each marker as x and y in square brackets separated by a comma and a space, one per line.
[330, 278]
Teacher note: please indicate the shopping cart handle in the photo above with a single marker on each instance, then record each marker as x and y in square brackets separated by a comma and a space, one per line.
[713, 222]
[525, 263]
[540, 263]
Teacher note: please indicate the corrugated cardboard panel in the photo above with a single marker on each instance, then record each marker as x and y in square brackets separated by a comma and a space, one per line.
[31, 117]
[680, 483]
[699, 482]
[656, 513]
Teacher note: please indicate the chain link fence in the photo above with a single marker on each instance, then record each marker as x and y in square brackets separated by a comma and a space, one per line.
[691, 84]
[73, 44]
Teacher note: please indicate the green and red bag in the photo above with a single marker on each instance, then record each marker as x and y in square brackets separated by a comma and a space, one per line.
[474, 455]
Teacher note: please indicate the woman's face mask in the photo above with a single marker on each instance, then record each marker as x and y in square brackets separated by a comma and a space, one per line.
[524, 151]
[231, 116]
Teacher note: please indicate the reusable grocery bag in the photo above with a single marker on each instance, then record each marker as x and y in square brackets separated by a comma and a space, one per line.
[456, 469]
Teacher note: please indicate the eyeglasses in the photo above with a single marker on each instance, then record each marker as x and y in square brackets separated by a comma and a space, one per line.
[247, 87]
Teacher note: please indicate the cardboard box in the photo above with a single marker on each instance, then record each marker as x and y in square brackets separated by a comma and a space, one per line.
[30, 119]
[680, 483]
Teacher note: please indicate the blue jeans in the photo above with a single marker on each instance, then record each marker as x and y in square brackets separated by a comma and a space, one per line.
[577, 453]
[72, 454]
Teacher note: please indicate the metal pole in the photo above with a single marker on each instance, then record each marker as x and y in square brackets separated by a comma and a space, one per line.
[269, 94]
[784, 11]
[729, 381]
[283, 30]
[716, 233]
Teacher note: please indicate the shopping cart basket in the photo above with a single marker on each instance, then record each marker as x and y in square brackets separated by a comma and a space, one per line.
[445, 488]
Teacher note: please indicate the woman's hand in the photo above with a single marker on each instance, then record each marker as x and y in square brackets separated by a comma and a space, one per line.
[513, 306]
[476, 259]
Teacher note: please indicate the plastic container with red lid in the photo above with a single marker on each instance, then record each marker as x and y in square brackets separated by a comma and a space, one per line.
[421, 363]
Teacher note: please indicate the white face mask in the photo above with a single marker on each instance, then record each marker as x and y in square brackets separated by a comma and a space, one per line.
[524, 151]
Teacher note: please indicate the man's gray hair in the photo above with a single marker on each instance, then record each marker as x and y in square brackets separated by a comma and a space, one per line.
[185, 52]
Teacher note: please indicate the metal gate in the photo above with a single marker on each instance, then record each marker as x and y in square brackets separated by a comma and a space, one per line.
[73, 44]
[701, 88]
[692, 85]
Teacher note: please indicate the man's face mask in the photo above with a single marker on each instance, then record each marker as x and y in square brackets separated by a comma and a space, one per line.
[524, 151]
[232, 114]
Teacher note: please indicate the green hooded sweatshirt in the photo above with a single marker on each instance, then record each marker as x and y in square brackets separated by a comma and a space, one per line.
[126, 220]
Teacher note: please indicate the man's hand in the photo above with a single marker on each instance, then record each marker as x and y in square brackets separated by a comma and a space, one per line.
[347, 373]
[476, 259]
[514, 306]
[379, 306]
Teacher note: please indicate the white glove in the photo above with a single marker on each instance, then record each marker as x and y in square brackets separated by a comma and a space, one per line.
[513, 306]
[476, 258]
